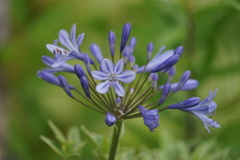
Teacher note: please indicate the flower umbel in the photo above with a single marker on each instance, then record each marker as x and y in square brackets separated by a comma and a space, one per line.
[117, 87]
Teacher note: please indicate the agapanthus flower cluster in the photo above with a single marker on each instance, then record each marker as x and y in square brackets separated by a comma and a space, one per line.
[117, 86]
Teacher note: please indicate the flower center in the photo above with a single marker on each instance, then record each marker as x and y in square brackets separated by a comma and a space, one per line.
[113, 77]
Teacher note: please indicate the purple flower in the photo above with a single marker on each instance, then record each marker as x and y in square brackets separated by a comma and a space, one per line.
[118, 101]
[87, 62]
[126, 54]
[85, 86]
[202, 110]
[63, 83]
[154, 78]
[182, 81]
[163, 61]
[189, 85]
[57, 64]
[51, 78]
[132, 60]
[150, 117]
[125, 35]
[158, 59]
[123, 101]
[69, 41]
[79, 71]
[96, 51]
[171, 73]
[110, 119]
[149, 50]
[111, 40]
[186, 103]
[111, 74]
[165, 92]
[178, 50]
[167, 64]
[70, 49]
[132, 44]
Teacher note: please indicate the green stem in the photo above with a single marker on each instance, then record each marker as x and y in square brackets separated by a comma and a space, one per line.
[115, 140]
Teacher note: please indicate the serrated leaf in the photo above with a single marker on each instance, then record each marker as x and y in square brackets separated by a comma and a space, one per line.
[52, 145]
[58, 134]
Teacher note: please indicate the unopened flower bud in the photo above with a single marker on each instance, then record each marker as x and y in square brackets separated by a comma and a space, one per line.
[154, 80]
[165, 91]
[111, 40]
[86, 60]
[118, 101]
[125, 35]
[150, 117]
[132, 44]
[97, 53]
[178, 50]
[85, 86]
[183, 80]
[171, 74]
[131, 91]
[132, 60]
[65, 85]
[79, 71]
[135, 68]
[110, 119]
[125, 54]
[150, 77]
[167, 64]
[149, 50]
[186, 104]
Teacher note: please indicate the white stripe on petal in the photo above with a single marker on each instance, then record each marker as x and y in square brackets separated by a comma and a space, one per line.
[107, 66]
[119, 89]
[100, 75]
[118, 68]
[103, 87]
[127, 76]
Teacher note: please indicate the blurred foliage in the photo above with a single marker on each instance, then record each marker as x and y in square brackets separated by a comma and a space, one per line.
[172, 149]
[68, 146]
[168, 147]
[209, 31]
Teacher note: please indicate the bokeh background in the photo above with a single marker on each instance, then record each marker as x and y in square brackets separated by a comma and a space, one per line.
[209, 31]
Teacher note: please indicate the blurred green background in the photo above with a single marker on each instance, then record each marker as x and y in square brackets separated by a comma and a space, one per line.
[209, 31]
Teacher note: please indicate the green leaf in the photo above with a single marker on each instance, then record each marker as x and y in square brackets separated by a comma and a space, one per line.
[52, 145]
[74, 140]
[235, 4]
[99, 141]
[58, 134]
[73, 135]
[94, 137]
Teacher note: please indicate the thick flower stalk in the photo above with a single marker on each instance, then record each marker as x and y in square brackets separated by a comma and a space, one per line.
[120, 88]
